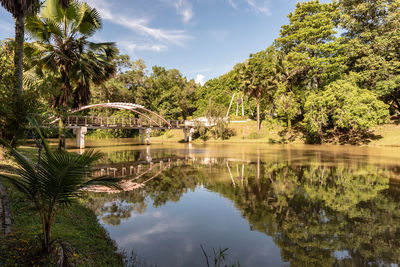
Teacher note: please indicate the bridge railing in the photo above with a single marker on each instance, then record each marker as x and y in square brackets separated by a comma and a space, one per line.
[119, 122]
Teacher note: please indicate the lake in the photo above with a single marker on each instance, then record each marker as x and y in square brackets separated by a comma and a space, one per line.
[269, 205]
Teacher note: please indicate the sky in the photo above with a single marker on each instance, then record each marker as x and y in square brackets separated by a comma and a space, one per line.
[201, 38]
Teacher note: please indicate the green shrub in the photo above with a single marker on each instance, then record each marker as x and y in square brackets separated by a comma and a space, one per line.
[255, 135]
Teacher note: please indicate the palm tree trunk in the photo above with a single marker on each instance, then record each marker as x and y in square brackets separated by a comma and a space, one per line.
[19, 51]
[61, 135]
[46, 237]
[258, 114]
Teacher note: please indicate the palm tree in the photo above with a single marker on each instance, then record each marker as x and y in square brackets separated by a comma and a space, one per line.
[62, 48]
[257, 77]
[19, 9]
[56, 182]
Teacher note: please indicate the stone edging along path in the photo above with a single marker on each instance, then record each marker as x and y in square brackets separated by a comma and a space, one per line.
[5, 215]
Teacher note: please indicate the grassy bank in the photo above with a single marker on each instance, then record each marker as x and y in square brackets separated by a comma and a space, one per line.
[85, 241]
[77, 227]
[384, 135]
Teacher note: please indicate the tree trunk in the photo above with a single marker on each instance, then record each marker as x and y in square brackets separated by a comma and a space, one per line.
[258, 114]
[46, 237]
[61, 135]
[19, 52]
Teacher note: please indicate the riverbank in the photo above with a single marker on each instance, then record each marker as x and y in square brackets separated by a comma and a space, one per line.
[384, 135]
[85, 241]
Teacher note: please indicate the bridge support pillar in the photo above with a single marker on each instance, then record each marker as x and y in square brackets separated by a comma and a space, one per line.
[145, 134]
[188, 134]
[148, 131]
[80, 136]
[191, 131]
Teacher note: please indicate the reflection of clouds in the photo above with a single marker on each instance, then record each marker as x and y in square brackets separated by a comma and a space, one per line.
[144, 237]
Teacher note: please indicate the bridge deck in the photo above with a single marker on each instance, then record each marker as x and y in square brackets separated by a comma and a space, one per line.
[95, 122]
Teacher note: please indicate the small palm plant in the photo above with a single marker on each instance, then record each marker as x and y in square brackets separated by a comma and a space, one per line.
[56, 182]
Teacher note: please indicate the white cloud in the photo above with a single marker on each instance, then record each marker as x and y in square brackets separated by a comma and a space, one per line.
[144, 236]
[200, 79]
[232, 4]
[259, 8]
[132, 47]
[140, 26]
[184, 9]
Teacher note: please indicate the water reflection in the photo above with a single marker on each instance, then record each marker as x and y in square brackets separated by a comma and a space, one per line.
[318, 213]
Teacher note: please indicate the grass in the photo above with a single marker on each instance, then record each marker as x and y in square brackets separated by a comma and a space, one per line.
[246, 132]
[76, 226]
[85, 241]
[273, 133]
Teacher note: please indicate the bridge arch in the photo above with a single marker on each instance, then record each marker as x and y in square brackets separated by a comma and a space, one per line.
[128, 106]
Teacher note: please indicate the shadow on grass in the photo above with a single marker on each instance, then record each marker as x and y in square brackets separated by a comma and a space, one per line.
[6, 168]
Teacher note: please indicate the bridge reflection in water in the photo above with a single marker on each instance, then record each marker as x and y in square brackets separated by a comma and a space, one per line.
[132, 172]
[313, 213]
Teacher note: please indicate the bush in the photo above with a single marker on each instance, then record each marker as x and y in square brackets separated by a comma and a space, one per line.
[201, 132]
[168, 134]
[343, 106]
[255, 135]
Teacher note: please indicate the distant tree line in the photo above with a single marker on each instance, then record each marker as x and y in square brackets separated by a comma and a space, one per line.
[334, 70]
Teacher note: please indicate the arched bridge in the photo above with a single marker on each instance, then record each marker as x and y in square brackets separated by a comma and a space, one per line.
[145, 121]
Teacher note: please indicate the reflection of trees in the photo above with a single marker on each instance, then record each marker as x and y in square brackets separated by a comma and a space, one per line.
[114, 207]
[168, 186]
[313, 213]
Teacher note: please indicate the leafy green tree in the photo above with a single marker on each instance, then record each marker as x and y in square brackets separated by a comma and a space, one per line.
[19, 10]
[343, 106]
[219, 91]
[12, 116]
[256, 76]
[168, 93]
[287, 106]
[55, 183]
[62, 48]
[372, 31]
[315, 56]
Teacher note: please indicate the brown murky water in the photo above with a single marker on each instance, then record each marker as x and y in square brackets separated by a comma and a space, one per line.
[271, 205]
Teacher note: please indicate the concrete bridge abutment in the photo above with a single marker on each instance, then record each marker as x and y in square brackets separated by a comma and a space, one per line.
[145, 136]
[80, 136]
[188, 134]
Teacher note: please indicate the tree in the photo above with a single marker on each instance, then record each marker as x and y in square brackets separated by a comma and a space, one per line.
[372, 31]
[315, 56]
[62, 48]
[285, 100]
[19, 9]
[256, 76]
[219, 91]
[56, 182]
[343, 106]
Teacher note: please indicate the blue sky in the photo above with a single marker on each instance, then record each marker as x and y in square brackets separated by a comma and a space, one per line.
[201, 38]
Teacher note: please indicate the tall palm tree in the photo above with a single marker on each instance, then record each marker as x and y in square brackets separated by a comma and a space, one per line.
[56, 182]
[19, 10]
[62, 48]
[256, 76]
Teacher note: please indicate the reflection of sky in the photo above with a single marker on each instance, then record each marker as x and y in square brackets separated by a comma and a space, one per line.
[171, 235]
